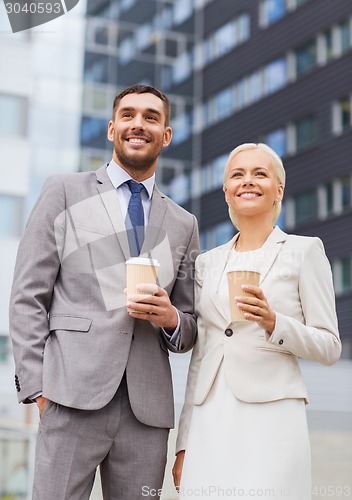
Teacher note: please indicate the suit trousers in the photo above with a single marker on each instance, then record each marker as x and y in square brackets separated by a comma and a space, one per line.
[72, 443]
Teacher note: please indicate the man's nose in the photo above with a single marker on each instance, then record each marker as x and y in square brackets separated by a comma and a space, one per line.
[137, 122]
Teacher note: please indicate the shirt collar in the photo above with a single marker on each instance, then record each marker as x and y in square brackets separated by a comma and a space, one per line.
[119, 176]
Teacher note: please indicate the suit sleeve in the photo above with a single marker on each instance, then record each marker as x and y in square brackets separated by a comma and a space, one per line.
[37, 266]
[182, 296]
[196, 359]
[318, 338]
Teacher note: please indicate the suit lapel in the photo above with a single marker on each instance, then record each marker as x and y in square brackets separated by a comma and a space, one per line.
[219, 264]
[271, 248]
[110, 200]
[156, 217]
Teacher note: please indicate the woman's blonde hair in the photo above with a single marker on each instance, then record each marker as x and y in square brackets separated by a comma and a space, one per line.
[276, 163]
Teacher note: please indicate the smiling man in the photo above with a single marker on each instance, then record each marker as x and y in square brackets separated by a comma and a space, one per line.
[98, 368]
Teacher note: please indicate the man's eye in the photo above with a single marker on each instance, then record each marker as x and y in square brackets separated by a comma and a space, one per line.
[126, 115]
[151, 118]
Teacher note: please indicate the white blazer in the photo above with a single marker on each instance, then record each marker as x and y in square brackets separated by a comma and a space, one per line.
[297, 282]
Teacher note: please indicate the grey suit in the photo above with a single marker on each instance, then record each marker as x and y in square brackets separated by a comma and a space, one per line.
[72, 336]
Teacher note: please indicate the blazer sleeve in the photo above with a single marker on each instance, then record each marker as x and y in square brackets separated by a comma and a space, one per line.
[182, 296]
[196, 359]
[318, 338]
[37, 266]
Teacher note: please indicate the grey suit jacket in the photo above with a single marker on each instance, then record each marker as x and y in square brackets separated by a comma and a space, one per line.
[72, 336]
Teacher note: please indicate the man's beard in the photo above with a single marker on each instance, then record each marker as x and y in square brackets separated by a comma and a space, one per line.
[136, 163]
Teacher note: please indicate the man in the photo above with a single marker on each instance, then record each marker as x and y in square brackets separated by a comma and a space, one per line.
[98, 370]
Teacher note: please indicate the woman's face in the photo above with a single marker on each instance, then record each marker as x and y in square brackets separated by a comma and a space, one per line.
[252, 186]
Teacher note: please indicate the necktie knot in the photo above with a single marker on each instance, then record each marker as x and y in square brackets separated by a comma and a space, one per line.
[135, 187]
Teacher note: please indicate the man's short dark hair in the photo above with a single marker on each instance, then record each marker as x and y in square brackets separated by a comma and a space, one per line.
[143, 89]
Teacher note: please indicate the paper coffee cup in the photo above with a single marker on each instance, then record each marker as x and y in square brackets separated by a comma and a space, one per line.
[141, 270]
[235, 281]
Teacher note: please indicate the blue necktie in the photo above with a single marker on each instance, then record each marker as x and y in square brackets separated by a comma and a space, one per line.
[136, 216]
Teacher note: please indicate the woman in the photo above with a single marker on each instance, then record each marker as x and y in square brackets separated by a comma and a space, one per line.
[243, 429]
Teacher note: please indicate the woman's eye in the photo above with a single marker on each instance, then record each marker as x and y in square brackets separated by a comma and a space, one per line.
[262, 174]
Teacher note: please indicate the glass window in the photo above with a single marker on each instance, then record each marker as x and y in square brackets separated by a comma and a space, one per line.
[244, 28]
[13, 116]
[306, 206]
[275, 75]
[11, 210]
[345, 36]
[329, 190]
[4, 348]
[277, 140]
[224, 103]
[93, 132]
[306, 132]
[218, 170]
[180, 189]
[346, 188]
[225, 38]
[346, 271]
[223, 232]
[306, 57]
[273, 10]
[345, 113]
[182, 67]
[328, 40]
[182, 10]
[256, 86]
[126, 50]
[181, 127]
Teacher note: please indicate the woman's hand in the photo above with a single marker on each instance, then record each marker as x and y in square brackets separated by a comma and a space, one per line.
[257, 308]
[177, 468]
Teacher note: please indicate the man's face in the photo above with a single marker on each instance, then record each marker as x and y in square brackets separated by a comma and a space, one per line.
[139, 133]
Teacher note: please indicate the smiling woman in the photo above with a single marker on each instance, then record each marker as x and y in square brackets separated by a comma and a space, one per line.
[243, 425]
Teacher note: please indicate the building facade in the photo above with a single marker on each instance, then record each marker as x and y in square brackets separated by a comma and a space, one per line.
[277, 71]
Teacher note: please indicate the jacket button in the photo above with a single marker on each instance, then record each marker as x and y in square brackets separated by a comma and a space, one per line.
[228, 332]
[281, 341]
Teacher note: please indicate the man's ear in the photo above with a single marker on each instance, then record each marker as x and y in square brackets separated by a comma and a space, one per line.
[167, 136]
[111, 130]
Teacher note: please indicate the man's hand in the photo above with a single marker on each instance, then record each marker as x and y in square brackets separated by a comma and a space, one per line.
[41, 403]
[177, 468]
[152, 304]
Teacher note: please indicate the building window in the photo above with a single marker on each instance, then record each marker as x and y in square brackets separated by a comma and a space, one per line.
[182, 10]
[217, 235]
[346, 192]
[275, 75]
[306, 206]
[93, 132]
[346, 272]
[344, 31]
[226, 38]
[4, 348]
[306, 58]
[306, 132]
[11, 210]
[342, 115]
[223, 104]
[277, 140]
[13, 116]
[272, 11]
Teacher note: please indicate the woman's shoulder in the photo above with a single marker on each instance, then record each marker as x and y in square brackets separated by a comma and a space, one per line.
[304, 243]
